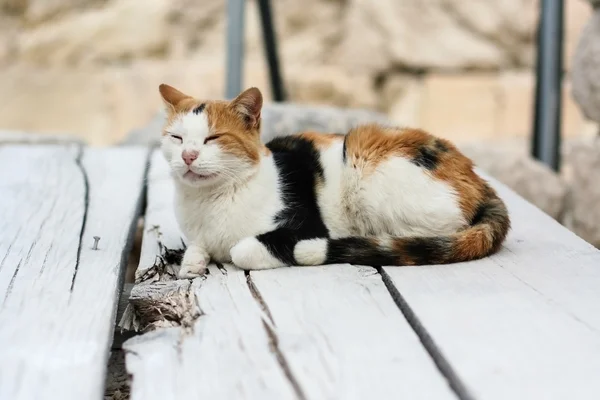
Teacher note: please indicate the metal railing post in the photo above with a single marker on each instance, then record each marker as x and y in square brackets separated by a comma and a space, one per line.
[271, 49]
[547, 117]
[235, 48]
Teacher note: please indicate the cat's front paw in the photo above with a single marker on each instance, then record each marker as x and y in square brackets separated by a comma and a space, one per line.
[194, 263]
[249, 253]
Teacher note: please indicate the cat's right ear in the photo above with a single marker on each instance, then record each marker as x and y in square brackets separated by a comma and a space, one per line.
[171, 96]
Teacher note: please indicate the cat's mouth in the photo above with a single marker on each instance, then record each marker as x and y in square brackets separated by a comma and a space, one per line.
[195, 177]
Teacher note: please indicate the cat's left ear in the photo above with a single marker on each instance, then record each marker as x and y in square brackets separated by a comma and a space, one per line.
[249, 104]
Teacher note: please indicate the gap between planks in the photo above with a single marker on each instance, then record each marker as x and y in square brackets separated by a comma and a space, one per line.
[273, 339]
[442, 364]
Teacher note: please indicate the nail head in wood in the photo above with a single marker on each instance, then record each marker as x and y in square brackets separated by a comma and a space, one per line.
[96, 240]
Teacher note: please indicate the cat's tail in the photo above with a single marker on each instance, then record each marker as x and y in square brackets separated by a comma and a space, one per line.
[483, 237]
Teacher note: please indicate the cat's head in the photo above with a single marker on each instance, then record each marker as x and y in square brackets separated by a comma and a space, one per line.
[209, 143]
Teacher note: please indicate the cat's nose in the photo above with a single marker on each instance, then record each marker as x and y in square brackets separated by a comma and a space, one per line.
[189, 156]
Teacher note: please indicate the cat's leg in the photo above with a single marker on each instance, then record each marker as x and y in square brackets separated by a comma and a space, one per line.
[270, 250]
[194, 262]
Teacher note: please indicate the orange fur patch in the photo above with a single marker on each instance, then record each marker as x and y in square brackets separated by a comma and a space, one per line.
[234, 137]
[473, 243]
[322, 140]
[367, 146]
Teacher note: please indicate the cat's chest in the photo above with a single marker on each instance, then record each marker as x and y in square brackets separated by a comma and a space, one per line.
[218, 224]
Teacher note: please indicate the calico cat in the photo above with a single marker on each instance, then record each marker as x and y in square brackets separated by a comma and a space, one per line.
[374, 196]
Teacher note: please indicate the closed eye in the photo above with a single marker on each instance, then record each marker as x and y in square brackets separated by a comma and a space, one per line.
[176, 137]
[209, 138]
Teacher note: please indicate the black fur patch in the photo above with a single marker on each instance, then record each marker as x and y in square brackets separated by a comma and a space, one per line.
[344, 157]
[298, 156]
[199, 109]
[299, 170]
[426, 158]
[357, 250]
[440, 146]
[427, 250]
[280, 243]
[482, 210]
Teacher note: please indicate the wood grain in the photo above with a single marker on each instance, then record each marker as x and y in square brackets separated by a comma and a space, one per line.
[59, 296]
[306, 333]
[522, 324]
[224, 354]
[220, 348]
[344, 338]
[160, 229]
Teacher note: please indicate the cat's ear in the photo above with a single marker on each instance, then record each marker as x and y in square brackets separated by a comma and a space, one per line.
[171, 96]
[249, 104]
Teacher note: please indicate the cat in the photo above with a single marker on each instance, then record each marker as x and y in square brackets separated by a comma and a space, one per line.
[375, 196]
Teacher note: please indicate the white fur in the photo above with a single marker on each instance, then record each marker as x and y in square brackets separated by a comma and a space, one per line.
[249, 253]
[311, 252]
[220, 216]
[397, 199]
[194, 262]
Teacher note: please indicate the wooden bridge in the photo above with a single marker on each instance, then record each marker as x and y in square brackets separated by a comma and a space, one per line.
[523, 324]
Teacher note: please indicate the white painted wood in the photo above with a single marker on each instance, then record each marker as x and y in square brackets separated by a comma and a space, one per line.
[522, 324]
[344, 338]
[58, 303]
[337, 333]
[159, 222]
[224, 355]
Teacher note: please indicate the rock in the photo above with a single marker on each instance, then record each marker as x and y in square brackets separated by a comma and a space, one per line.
[287, 119]
[457, 106]
[13, 7]
[583, 215]
[529, 178]
[38, 11]
[148, 134]
[594, 3]
[401, 98]
[586, 69]
[450, 34]
[331, 86]
[52, 101]
[122, 30]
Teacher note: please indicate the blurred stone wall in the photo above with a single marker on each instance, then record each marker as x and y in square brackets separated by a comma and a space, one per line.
[461, 68]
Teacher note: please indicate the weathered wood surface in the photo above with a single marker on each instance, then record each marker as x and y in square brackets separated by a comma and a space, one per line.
[325, 332]
[223, 353]
[522, 324]
[344, 338]
[58, 295]
[160, 230]
[219, 348]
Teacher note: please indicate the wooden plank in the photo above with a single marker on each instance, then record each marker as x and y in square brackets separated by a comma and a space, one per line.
[522, 324]
[60, 295]
[217, 350]
[224, 353]
[160, 229]
[344, 338]
[329, 332]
